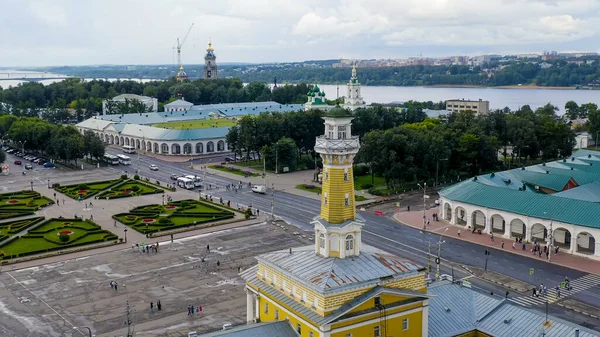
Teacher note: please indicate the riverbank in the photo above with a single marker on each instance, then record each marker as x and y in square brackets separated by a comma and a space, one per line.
[531, 86]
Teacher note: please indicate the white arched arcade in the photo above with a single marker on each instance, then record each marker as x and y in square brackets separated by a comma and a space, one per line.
[570, 238]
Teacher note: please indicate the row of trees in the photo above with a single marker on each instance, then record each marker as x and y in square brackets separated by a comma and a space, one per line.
[85, 97]
[54, 141]
[404, 145]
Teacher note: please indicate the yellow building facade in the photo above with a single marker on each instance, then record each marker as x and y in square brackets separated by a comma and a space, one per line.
[338, 287]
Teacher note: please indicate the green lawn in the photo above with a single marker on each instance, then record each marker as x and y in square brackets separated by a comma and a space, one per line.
[366, 179]
[21, 203]
[234, 170]
[10, 228]
[317, 189]
[86, 190]
[46, 237]
[197, 124]
[129, 189]
[176, 214]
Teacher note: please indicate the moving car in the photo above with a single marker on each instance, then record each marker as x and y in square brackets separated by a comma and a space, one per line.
[18, 162]
[28, 167]
[174, 176]
[229, 159]
[49, 164]
[259, 189]
[153, 167]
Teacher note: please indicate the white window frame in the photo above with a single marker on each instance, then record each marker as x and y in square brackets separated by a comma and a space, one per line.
[377, 331]
[349, 242]
[404, 324]
[347, 199]
[276, 314]
[322, 240]
[266, 307]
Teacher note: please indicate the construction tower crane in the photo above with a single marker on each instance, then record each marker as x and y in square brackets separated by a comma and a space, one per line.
[181, 74]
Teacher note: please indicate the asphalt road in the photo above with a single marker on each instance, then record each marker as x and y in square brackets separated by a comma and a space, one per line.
[380, 231]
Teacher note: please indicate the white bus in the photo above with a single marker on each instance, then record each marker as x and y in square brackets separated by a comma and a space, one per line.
[186, 183]
[123, 159]
[128, 149]
[195, 179]
[110, 159]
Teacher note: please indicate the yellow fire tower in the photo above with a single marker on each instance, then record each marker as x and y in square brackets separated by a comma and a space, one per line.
[338, 287]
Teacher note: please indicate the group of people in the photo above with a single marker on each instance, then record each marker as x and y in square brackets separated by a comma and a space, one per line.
[191, 309]
[144, 248]
[114, 285]
[158, 306]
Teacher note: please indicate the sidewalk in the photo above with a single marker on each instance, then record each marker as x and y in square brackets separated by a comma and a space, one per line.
[415, 219]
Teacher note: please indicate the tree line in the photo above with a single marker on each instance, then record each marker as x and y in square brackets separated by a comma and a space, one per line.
[60, 142]
[404, 145]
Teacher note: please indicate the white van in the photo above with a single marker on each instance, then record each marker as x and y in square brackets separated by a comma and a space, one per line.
[259, 189]
[186, 183]
[197, 181]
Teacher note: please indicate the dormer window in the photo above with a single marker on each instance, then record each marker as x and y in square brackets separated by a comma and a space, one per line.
[322, 240]
[347, 200]
[349, 242]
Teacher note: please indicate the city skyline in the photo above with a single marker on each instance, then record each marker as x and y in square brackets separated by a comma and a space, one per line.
[68, 32]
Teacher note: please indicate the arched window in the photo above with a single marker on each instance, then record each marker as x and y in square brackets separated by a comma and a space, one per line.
[349, 242]
[322, 240]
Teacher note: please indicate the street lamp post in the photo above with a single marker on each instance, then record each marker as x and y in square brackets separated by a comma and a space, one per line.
[31, 182]
[424, 187]
[48, 183]
[438, 261]
[276, 160]
[84, 327]
[125, 232]
[138, 154]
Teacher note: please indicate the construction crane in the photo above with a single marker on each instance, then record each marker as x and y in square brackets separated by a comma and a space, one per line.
[179, 45]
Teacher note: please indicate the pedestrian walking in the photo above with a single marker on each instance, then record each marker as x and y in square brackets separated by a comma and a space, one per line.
[506, 295]
[91, 205]
[151, 306]
[116, 285]
[218, 264]
[112, 285]
[171, 238]
[492, 237]
[158, 305]
[408, 208]
[514, 245]
[524, 247]
[502, 244]
[115, 223]
[533, 292]
[54, 195]
[85, 203]
[458, 232]
[57, 202]
[63, 201]
[257, 212]
[208, 248]
[189, 310]
[157, 247]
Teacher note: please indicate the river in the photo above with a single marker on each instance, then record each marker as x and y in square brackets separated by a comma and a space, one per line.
[499, 98]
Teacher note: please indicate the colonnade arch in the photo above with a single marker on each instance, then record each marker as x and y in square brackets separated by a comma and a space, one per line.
[460, 215]
[210, 147]
[562, 238]
[187, 148]
[478, 220]
[199, 148]
[539, 233]
[498, 223]
[447, 212]
[517, 228]
[175, 149]
[156, 148]
[586, 243]
[164, 148]
[220, 146]
[137, 144]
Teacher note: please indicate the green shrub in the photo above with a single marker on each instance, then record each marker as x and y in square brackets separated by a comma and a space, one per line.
[163, 220]
[55, 185]
[135, 188]
[63, 238]
[82, 187]
[248, 213]
[366, 186]
[136, 177]
[123, 176]
[374, 191]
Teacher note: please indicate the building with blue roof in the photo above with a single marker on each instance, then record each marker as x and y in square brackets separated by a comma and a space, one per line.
[556, 203]
[137, 130]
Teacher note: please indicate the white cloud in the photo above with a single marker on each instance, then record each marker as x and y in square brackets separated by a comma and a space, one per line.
[144, 31]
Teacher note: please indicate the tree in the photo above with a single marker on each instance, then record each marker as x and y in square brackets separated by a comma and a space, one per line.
[2, 156]
[187, 91]
[282, 154]
[572, 110]
[232, 138]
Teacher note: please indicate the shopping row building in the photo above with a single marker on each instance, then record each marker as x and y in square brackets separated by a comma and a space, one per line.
[554, 203]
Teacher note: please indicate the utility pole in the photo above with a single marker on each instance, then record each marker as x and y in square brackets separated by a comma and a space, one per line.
[429, 259]
[276, 160]
[424, 205]
[130, 328]
[273, 202]
[438, 260]
[264, 171]
[551, 237]
[487, 254]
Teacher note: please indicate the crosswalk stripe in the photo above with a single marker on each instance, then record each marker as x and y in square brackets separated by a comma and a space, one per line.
[578, 285]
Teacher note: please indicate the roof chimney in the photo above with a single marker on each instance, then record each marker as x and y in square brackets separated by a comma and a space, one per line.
[576, 332]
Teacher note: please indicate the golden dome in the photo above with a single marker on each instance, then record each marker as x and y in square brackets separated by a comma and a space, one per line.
[210, 48]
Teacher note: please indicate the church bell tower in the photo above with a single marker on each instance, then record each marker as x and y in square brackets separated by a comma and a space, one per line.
[210, 63]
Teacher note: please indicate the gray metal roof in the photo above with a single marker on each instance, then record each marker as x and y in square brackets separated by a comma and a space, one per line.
[250, 276]
[457, 310]
[269, 329]
[329, 274]
[588, 192]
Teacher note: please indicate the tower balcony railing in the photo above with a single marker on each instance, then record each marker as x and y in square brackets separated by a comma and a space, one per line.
[340, 146]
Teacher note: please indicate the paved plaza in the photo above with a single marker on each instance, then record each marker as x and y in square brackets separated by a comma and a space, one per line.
[50, 299]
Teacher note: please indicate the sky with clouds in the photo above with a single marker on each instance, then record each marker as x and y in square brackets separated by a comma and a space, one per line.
[87, 32]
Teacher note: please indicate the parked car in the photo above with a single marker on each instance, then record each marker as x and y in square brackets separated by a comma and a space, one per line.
[49, 164]
[229, 159]
[28, 167]
[153, 167]
[41, 161]
[18, 162]
[175, 176]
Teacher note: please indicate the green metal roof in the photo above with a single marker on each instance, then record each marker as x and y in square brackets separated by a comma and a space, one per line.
[338, 112]
[543, 206]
